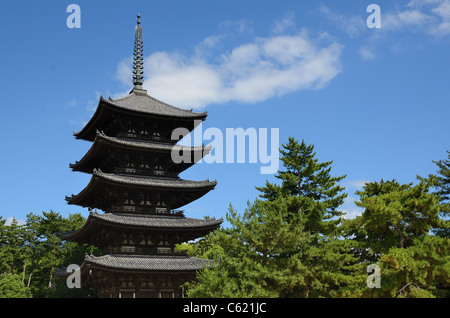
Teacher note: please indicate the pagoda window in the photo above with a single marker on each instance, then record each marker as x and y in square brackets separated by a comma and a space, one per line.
[161, 210]
[144, 131]
[129, 198]
[128, 249]
[169, 282]
[158, 170]
[145, 163]
[131, 133]
[164, 250]
[147, 200]
[156, 135]
[127, 239]
[161, 207]
[164, 240]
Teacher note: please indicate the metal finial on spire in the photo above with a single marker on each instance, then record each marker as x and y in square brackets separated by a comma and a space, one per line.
[138, 60]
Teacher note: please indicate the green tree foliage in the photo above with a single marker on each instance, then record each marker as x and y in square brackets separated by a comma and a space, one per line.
[394, 231]
[421, 271]
[305, 177]
[268, 253]
[443, 178]
[294, 243]
[285, 246]
[441, 184]
[11, 286]
[32, 251]
[394, 215]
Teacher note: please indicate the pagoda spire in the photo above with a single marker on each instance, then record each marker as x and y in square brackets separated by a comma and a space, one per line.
[138, 59]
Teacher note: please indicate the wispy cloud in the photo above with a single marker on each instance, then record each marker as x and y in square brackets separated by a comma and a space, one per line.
[72, 103]
[353, 25]
[253, 71]
[366, 53]
[355, 184]
[283, 24]
[426, 17]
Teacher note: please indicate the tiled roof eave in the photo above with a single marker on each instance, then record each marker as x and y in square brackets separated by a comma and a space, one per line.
[154, 182]
[105, 104]
[174, 112]
[102, 139]
[146, 263]
[156, 221]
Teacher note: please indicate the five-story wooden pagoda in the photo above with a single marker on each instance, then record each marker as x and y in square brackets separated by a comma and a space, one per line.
[135, 183]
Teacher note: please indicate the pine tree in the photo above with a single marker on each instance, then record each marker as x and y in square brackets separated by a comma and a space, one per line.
[11, 286]
[304, 176]
[286, 245]
[419, 271]
[441, 184]
[443, 179]
[394, 232]
[394, 215]
[268, 253]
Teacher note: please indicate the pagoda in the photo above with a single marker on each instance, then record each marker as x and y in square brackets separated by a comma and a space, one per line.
[136, 183]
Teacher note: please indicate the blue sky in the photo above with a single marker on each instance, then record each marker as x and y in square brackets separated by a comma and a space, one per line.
[375, 101]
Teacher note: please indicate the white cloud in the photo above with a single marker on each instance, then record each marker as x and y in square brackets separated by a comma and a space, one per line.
[250, 72]
[72, 103]
[352, 25]
[366, 53]
[240, 26]
[443, 11]
[356, 184]
[413, 17]
[288, 21]
[433, 16]
[426, 17]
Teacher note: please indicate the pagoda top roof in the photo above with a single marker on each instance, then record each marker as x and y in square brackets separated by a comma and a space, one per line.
[137, 103]
[140, 101]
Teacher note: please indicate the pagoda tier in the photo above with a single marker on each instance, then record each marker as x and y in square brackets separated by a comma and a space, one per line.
[136, 194]
[139, 276]
[142, 157]
[141, 116]
[140, 234]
